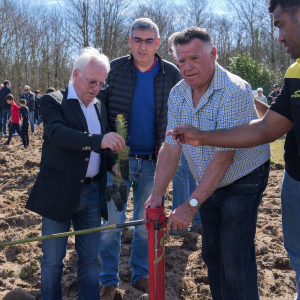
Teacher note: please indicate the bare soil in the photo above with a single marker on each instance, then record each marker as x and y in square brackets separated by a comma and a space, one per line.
[186, 273]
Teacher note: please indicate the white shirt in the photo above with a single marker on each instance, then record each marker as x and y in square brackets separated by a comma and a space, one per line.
[94, 127]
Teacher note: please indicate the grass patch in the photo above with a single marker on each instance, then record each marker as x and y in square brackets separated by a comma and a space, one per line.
[28, 271]
[277, 151]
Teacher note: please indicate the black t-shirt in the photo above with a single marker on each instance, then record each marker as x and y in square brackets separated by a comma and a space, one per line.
[24, 112]
[287, 104]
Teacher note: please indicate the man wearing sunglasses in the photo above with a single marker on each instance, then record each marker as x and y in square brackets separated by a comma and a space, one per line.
[30, 102]
[139, 87]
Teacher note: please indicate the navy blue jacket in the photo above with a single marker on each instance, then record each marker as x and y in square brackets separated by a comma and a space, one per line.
[65, 157]
[3, 93]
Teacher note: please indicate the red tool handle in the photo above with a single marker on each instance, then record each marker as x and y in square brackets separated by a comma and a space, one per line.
[156, 252]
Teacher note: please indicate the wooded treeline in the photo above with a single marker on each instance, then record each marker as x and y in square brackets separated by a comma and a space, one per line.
[39, 41]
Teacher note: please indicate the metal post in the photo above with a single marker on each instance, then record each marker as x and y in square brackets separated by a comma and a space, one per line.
[156, 252]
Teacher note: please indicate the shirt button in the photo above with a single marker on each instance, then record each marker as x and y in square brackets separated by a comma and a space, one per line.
[87, 159]
[82, 181]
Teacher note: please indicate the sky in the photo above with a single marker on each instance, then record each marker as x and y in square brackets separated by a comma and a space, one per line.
[216, 4]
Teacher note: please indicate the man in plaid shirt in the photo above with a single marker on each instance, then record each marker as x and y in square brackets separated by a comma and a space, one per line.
[230, 181]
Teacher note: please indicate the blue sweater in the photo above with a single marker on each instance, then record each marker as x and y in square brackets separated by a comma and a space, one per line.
[142, 127]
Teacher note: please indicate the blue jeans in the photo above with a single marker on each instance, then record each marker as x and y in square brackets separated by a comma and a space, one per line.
[1, 125]
[184, 184]
[142, 181]
[87, 215]
[290, 203]
[31, 113]
[229, 219]
[6, 113]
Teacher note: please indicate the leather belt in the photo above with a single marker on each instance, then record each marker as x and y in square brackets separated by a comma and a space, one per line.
[145, 157]
[89, 180]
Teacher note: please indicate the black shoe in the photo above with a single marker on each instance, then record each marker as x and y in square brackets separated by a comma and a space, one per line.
[6, 143]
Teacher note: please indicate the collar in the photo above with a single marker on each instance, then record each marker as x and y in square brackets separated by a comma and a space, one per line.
[73, 95]
[155, 61]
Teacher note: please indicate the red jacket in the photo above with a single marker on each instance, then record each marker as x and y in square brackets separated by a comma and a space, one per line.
[15, 118]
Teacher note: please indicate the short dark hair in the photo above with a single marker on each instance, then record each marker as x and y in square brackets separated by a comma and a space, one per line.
[23, 101]
[50, 90]
[37, 91]
[6, 82]
[187, 35]
[9, 97]
[290, 6]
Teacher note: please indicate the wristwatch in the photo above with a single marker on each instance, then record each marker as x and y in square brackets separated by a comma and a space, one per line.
[194, 202]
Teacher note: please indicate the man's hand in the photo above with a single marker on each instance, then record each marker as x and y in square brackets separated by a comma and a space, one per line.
[37, 128]
[186, 134]
[112, 141]
[181, 217]
[152, 202]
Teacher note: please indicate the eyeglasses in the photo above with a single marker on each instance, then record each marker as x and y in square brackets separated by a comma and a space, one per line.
[94, 83]
[26, 90]
[148, 42]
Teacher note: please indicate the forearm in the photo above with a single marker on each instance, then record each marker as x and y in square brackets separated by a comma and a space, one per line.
[167, 164]
[213, 175]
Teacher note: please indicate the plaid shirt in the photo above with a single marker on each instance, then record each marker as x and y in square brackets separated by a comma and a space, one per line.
[227, 103]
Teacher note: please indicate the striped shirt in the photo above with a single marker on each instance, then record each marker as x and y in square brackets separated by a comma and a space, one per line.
[227, 103]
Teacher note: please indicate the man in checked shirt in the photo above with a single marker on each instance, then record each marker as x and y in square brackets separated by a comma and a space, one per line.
[230, 181]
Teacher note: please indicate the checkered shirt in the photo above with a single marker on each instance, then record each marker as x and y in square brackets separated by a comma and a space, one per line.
[227, 103]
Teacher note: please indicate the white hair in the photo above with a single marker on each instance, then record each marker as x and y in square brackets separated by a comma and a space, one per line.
[144, 24]
[89, 54]
[1, 85]
[171, 37]
[27, 86]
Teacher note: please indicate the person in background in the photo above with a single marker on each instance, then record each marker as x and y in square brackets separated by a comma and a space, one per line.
[39, 121]
[14, 119]
[5, 107]
[260, 96]
[30, 102]
[139, 88]
[38, 97]
[24, 113]
[183, 181]
[1, 86]
[274, 94]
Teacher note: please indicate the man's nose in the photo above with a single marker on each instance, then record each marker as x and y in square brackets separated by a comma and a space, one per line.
[143, 45]
[280, 36]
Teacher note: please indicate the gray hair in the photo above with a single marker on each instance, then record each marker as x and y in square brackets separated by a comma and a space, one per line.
[185, 36]
[172, 36]
[2, 85]
[27, 86]
[89, 54]
[144, 24]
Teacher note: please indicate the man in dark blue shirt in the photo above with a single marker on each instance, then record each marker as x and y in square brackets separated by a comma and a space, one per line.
[5, 107]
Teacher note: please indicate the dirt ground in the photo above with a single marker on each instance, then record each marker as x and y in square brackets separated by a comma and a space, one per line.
[186, 273]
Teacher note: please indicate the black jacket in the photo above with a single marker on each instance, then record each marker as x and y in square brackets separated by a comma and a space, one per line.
[121, 80]
[37, 101]
[66, 149]
[30, 100]
[3, 93]
[273, 94]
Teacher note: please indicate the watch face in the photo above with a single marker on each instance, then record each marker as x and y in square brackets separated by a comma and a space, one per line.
[194, 202]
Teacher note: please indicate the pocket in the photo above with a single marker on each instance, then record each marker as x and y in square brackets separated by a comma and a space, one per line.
[53, 174]
[207, 125]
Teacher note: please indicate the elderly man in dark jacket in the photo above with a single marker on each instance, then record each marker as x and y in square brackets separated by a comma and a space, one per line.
[72, 180]
[30, 102]
[5, 107]
[139, 87]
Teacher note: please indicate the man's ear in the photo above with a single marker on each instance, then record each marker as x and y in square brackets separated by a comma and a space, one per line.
[157, 43]
[129, 42]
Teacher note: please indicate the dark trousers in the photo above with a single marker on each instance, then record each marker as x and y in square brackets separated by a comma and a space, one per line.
[229, 219]
[15, 127]
[36, 114]
[24, 133]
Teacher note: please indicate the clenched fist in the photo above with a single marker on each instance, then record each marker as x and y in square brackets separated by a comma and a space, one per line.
[112, 141]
